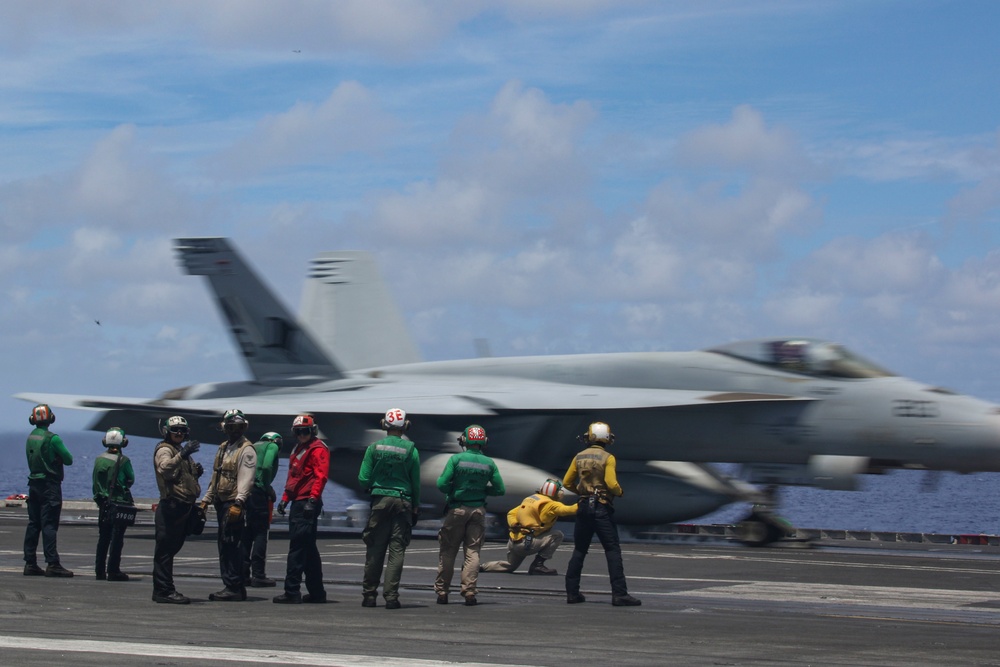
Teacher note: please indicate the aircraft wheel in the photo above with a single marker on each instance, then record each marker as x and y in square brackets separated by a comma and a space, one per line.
[754, 533]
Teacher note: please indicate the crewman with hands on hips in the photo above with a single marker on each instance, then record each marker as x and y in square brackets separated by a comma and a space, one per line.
[593, 477]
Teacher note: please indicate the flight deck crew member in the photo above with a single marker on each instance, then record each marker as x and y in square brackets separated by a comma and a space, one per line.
[46, 457]
[177, 479]
[390, 472]
[258, 511]
[113, 479]
[531, 530]
[232, 478]
[308, 470]
[467, 479]
[592, 476]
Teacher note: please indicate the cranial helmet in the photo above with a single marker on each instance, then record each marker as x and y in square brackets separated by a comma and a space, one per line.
[552, 488]
[273, 437]
[176, 424]
[303, 422]
[395, 419]
[41, 415]
[234, 422]
[599, 433]
[115, 437]
[473, 435]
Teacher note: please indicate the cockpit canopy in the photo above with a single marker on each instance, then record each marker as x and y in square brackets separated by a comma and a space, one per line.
[808, 356]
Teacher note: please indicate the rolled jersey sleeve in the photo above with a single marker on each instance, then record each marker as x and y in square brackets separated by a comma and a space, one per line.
[245, 470]
[319, 470]
[569, 479]
[415, 476]
[496, 487]
[611, 477]
[60, 450]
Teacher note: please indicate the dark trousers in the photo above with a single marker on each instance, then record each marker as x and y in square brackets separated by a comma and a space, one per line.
[257, 515]
[602, 523]
[44, 508]
[303, 554]
[171, 520]
[110, 540]
[230, 549]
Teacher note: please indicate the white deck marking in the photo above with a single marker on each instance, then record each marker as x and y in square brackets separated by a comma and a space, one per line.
[223, 654]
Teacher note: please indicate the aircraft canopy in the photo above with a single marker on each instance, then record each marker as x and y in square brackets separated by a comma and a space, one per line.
[808, 356]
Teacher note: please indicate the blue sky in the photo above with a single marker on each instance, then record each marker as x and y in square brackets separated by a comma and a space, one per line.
[553, 176]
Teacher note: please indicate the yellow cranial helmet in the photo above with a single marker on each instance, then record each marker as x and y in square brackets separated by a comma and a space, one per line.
[599, 433]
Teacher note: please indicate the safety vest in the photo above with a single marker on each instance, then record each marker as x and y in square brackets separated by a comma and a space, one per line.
[390, 472]
[41, 462]
[184, 486]
[590, 466]
[529, 515]
[104, 467]
[226, 467]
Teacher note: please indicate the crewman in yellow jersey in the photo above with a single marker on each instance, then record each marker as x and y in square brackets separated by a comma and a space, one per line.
[592, 476]
[531, 530]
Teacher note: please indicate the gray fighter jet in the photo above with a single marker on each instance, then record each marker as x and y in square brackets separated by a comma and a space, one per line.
[791, 410]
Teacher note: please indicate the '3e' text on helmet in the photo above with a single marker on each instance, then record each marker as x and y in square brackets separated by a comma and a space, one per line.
[395, 420]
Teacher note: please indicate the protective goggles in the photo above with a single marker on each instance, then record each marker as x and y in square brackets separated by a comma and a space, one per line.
[302, 430]
[179, 430]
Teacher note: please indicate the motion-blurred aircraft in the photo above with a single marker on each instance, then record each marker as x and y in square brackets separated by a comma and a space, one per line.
[791, 410]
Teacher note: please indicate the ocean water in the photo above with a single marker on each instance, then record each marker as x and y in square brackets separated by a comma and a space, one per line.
[902, 501]
[85, 446]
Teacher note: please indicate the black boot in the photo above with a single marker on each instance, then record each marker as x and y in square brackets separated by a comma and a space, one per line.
[538, 567]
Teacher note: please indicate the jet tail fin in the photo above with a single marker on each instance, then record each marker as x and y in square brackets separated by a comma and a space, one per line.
[348, 307]
[277, 351]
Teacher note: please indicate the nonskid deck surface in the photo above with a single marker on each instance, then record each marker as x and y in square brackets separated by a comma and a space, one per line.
[703, 604]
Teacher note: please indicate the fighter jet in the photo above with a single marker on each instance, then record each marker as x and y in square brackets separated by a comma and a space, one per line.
[791, 410]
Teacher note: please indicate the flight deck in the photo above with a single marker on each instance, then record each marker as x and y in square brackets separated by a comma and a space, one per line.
[703, 603]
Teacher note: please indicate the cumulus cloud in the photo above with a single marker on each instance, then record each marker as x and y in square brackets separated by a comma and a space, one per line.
[349, 120]
[525, 148]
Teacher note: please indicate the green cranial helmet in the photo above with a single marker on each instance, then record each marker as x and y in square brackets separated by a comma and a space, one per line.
[234, 421]
[272, 437]
[115, 437]
[177, 425]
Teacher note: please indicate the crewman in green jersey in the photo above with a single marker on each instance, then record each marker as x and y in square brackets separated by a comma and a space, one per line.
[113, 480]
[467, 479]
[46, 457]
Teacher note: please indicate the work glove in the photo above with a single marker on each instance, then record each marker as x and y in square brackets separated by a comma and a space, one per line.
[310, 510]
[235, 513]
[190, 448]
[199, 470]
[203, 505]
[414, 516]
[281, 507]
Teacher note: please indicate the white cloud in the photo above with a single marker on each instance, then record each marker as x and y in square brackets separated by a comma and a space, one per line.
[349, 120]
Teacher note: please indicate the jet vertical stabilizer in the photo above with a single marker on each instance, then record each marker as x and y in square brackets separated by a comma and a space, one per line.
[276, 349]
[352, 313]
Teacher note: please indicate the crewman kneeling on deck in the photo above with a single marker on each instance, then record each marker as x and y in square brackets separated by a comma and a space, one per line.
[531, 530]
